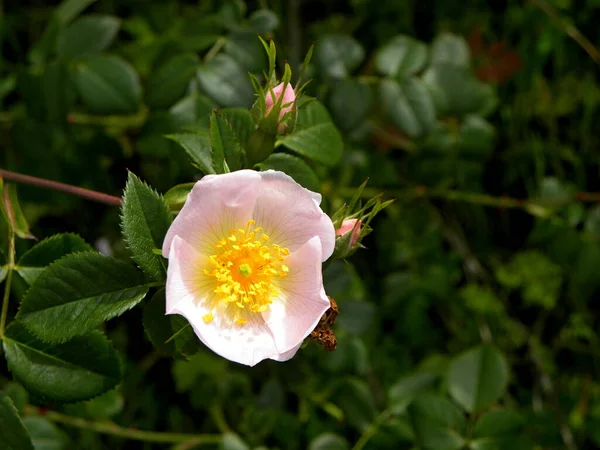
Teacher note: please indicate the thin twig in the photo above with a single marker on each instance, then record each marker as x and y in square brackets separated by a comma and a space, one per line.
[568, 29]
[127, 433]
[62, 187]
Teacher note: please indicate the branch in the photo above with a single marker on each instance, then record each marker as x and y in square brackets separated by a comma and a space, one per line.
[62, 187]
[127, 433]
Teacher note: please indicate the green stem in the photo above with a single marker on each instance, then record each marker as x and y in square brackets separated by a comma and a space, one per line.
[127, 433]
[535, 207]
[217, 46]
[128, 121]
[371, 430]
[10, 267]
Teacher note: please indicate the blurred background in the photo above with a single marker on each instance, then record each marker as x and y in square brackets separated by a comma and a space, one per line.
[471, 318]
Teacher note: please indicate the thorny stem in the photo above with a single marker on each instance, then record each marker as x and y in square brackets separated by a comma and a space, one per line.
[55, 185]
[127, 433]
[10, 266]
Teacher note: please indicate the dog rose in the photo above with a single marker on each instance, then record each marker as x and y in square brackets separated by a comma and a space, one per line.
[245, 264]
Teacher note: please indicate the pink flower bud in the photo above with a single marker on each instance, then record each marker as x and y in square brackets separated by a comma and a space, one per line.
[347, 226]
[287, 103]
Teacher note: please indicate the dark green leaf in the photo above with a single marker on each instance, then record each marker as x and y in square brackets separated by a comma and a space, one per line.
[145, 219]
[356, 400]
[329, 441]
[402, 56]
[224, 80]
[108, 85]
[197, 146]
[438, 424]
[408, 105]
[102, 407]
[263, 21]
[14, 436]
[171, 334]
[406, 388]
[79, 292]
[295, 167]
[176, 196]
[338, 55]
[80, 369]
[45, 435]
[171, 81]
[232, 441]
[455, 90]
[499, 422]
[477, 378]
[35, 260]
[247, 50]
[11, 210]
[315, 136]
[449, 48]
[86, 35]
[224, 142]
[347, 113]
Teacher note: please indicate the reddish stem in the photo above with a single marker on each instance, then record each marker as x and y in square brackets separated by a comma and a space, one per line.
[62, 187]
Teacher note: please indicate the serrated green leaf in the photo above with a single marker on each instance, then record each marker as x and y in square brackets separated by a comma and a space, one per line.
[176, 196]
[145, 220]
[408, 105]
[45, 435]
[295, 167]
[36, 259]
[108, 85]
[79, 369]
[315, 135]
[197, 146]
[88, 34]
[241, 121]
[14, 436]
[225, 81]
[402, 56]
[78, 293]
[224, 143]
[11, 210]
[477, 378]
[337, 55]
[171, 334]
[102, 407]
[171, 81]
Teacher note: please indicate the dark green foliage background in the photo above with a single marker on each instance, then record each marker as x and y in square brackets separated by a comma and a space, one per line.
[471, 318]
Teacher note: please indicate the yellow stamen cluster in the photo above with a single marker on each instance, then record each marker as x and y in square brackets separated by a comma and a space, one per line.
[245, 268]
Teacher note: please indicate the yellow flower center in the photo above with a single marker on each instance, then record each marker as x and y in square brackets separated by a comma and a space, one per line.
[245, 268]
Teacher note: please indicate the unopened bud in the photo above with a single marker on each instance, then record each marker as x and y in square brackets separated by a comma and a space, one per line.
[347, 238]
[347, 226]
[286, 103]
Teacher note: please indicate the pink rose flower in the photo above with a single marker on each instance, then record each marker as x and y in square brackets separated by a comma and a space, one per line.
[287, 103]
[347, 226]
[245, 264]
